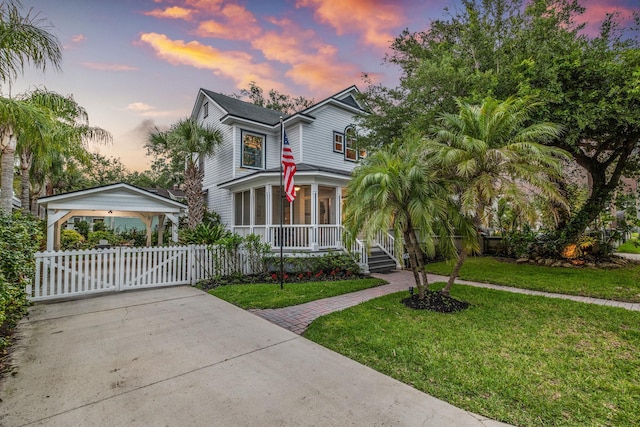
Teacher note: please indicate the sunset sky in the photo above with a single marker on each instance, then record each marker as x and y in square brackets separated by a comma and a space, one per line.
[134, 64]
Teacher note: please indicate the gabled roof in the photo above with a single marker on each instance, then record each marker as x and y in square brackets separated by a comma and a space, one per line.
[343, 99]
[120, 196]
[246, 111]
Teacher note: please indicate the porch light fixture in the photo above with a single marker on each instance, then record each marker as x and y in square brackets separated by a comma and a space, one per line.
[297, 188]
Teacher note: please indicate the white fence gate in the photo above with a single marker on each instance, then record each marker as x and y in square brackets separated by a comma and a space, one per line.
[61, 274]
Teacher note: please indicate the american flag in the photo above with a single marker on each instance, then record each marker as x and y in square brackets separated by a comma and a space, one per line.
[289, 169]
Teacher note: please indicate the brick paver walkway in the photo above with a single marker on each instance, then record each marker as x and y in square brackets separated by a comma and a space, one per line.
[298, 317]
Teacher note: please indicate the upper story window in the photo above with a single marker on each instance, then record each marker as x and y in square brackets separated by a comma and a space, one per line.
[350, 149]
[205, 110]
[253, 150]
[338, 142]
[346, 143]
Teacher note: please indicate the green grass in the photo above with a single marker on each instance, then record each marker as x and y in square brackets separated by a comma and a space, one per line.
[621, 284]
[523, 360]
[630, 247]
[269, 295]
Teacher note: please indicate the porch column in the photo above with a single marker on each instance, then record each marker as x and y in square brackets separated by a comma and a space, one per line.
[268, 219]
[252, 209]
[314, 217]
[338, 212]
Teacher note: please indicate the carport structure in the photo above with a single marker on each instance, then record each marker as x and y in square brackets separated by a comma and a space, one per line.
[115, 200]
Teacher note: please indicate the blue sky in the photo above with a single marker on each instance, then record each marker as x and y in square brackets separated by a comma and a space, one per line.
[134, 64]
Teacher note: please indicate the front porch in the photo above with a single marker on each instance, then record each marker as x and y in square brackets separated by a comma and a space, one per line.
[312, 222]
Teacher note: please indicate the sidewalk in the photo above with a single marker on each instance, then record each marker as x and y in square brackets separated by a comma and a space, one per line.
[298, 317]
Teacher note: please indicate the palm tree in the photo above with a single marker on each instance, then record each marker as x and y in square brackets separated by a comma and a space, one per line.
[493, 151]
[16, 116]
[68, 136]
[190, 142]
[24, 39]
[397, 189]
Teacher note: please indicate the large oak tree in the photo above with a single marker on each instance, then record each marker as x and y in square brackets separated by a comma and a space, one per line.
[504, 48]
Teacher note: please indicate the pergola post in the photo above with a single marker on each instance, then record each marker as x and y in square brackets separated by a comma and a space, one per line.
[53, 217]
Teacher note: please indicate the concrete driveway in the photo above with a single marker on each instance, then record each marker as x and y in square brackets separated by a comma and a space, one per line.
[180, 357]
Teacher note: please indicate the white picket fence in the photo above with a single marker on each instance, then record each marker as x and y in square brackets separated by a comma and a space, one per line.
[62, 274]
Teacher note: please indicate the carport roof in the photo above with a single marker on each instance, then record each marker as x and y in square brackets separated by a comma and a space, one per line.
[120, 196]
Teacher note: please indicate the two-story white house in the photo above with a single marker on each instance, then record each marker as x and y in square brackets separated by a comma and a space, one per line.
[242, 178]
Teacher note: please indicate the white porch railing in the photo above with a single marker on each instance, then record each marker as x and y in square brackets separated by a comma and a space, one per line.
[296, 237]
[359, 249]
[319, 237]
[387, 243]
[60, 274]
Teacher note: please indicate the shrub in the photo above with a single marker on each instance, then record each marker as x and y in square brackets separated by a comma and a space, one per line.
[134, 237]
[83, 228]
[71, 239]
[96, 236]
[332, 265]
[20, 237]
[204, 234]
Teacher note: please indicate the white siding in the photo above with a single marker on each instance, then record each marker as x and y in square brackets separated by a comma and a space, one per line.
[218, 167]
[318, 138]
[311, 143]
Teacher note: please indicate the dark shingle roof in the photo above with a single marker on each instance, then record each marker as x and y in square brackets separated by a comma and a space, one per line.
[245, 110]
[300, 167]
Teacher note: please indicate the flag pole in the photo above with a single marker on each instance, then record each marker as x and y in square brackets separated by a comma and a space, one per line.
[281, 205]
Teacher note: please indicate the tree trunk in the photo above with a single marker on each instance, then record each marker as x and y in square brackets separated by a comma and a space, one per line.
[8, 143]
[604, 176]
[456, 271]
[416, 263]
[25, 166]
[601, 194]
[193, 193]
[34, 203]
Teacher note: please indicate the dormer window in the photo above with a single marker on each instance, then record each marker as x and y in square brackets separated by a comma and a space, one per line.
[253, 150]
[205, 110]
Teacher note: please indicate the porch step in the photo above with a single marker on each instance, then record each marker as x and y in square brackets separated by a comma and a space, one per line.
[380, 262]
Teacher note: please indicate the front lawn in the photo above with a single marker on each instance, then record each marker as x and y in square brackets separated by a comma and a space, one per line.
[630, 247]
[520, 359]
[621, 284]
[269, 295]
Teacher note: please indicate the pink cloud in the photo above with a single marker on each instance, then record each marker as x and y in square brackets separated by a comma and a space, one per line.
[313, 63]
[235, 65]
[78, 38]
[374, 20]
[596, 11]
[108, 67]
[174, 12]
[237, 23]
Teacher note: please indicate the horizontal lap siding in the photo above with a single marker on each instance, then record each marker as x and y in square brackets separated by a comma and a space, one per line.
[219, 166]
[318, 138]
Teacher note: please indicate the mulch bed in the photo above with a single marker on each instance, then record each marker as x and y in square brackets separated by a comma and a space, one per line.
[435, 301]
